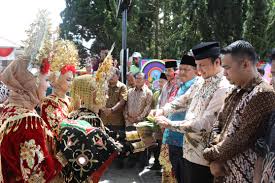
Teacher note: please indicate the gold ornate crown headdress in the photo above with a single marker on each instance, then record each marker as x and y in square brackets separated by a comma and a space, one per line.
[64, 56]
[90, 89]
[103, 74]
[38, 44]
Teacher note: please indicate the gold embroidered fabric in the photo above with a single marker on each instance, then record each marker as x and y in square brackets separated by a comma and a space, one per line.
[84, 91]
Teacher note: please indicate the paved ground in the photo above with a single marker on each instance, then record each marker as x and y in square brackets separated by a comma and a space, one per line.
[134, 175]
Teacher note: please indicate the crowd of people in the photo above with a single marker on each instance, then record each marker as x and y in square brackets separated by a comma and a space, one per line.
[214, 110]
[228, 114]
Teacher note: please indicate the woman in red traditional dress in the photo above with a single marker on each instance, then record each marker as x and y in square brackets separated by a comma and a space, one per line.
[56, 107]
[24, 154]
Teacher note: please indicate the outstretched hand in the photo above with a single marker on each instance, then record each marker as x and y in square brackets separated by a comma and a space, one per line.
[163, 122]
[156, 112]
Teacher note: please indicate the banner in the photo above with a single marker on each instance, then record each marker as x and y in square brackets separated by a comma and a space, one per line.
[152, 68]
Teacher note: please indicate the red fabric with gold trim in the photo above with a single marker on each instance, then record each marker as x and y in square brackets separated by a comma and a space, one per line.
[24, 153]
[53, 111]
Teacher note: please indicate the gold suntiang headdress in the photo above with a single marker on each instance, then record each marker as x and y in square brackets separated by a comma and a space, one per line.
[91, 90]
[38, 44]
[64, 56]
[103, 74]
[84, 89]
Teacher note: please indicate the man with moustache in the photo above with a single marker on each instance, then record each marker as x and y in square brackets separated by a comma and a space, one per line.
[187, 77]
[170, 89]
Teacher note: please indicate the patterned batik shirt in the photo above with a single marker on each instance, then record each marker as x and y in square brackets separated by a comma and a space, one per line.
[265, 148]
[168, 93]
[243, 119]
[115, 94]
[203, 100]
[138, 105]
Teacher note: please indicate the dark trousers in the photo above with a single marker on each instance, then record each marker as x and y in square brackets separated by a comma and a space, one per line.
[119, 160]
[195, 173]
[177, 161]
[156, 151]
[116, 128]
[140, 158]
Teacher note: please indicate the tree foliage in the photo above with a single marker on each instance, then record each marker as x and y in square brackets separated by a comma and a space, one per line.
[166, 29]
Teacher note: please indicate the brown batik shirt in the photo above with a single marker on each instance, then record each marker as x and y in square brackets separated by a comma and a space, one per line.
[115, 94]
[138, 105]
[243, 119]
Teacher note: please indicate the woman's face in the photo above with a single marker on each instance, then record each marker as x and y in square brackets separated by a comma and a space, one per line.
[65, 81]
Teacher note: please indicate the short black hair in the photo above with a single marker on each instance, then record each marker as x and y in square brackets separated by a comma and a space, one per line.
[214, 58]
[241, 49]
[102, 47]
[174, 68]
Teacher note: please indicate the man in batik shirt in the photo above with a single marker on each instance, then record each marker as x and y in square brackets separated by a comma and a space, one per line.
[112, 114]
[168, 93]
[137, 108]
[139, 101]
[158, 134]
[202, 101]
[243, 118]
[187, 76]
[265, 165]
[169, 90]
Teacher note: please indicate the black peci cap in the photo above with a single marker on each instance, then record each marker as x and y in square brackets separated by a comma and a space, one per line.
[163, 76]
[188, 60]
[206, 50]
[171, 64]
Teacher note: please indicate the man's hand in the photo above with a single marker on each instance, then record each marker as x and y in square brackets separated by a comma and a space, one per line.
[159, 112]
[163, 122]
[217, 169]
[153, 112]
[156, 112]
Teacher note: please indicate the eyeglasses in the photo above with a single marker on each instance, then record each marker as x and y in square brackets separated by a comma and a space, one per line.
[185, 70]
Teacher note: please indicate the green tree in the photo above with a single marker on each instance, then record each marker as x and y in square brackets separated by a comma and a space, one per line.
[165, 29]
[256, 24]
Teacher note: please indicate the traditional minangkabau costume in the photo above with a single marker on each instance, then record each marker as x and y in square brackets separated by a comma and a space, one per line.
[55, 108]
[83, 139]
[84, 90]
[24, 154]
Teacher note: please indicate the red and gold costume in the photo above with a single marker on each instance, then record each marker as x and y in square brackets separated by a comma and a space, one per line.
[53, 111]
[24, 153]
[56, 107]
